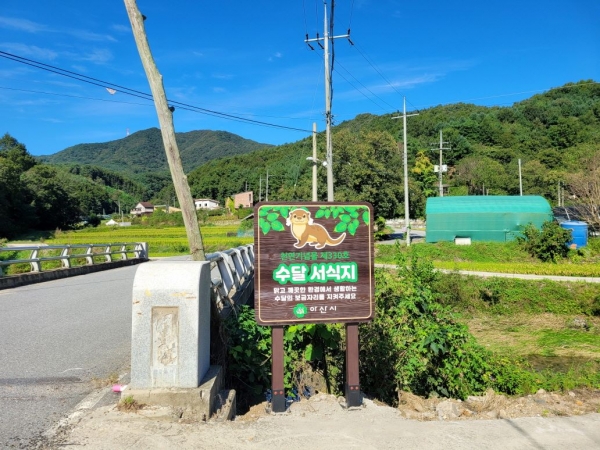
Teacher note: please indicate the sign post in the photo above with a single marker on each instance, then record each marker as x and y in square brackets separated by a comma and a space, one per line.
[314, 264]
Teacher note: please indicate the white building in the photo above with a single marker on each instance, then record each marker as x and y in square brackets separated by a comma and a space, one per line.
[205, 203]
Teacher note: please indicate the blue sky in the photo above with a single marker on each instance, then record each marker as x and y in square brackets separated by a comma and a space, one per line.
[249, 59]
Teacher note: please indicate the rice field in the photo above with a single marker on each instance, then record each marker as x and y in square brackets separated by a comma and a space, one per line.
[167, 241]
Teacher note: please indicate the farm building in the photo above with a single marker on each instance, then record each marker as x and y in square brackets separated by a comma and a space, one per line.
[483, 218]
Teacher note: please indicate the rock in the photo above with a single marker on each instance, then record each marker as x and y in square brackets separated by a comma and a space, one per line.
[448, 410]
[408, 400]
[579, 322]
[491, 414]
[502, 414]
[540, 392]
[571, 394]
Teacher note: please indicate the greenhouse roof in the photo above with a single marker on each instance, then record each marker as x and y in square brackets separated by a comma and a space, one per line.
[488, 204]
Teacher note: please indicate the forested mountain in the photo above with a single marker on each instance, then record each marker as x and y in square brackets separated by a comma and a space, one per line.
[143, 152]
[556, 135]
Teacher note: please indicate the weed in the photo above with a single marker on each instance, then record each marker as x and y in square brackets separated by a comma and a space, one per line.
[129, 404]
[109, 380]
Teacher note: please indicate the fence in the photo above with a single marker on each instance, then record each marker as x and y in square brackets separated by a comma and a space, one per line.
[232, 277]
[84, 253]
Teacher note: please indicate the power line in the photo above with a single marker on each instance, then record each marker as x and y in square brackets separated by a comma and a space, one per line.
[139, 94]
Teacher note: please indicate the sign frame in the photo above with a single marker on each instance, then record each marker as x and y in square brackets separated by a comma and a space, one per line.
[315, 265]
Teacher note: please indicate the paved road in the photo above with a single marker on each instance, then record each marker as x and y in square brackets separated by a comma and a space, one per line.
[56, 339]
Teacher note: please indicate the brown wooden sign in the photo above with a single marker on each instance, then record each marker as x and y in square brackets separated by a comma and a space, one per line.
[314, 262]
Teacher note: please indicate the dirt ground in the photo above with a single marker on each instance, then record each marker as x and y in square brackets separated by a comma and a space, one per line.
[489, 406]
[322, 422]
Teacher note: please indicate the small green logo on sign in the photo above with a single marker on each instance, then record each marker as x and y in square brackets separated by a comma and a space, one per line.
[300, 310]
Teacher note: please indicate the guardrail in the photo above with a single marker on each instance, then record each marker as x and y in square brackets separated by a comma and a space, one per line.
[232, 276]
[84, 252]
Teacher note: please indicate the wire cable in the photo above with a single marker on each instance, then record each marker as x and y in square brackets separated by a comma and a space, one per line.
[139, 94]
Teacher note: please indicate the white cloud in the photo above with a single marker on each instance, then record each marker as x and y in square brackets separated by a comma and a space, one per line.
[97, 56]
[222, 76]
[89, 36]
[21, 25]
[28, 50]
[276, 55]
[120, 28]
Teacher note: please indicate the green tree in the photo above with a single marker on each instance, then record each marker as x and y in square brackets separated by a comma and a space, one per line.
[15, 213]
[367, 167]
[53, 205]
[424, 174]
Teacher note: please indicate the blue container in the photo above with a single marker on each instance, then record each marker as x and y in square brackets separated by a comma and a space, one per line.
[579, 232]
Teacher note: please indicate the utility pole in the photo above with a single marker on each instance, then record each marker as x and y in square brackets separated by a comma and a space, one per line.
[165, 119]
[260, 190]
[328, 117]
[520, 179]
[267, 188]
[314, 170]
[404, 137]
[441, 167]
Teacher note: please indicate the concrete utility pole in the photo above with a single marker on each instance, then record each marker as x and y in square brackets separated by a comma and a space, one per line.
[314, 170]
[404, 137]
[165, 119]
[441, 167]
[520, 179]
[328, 118]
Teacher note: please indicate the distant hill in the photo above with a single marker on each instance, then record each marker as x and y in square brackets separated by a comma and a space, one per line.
[143, 152]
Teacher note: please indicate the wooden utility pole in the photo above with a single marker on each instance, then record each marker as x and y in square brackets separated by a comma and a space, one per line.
[165, 119]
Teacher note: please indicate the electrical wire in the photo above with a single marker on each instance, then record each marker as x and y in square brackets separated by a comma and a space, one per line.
[139, 94]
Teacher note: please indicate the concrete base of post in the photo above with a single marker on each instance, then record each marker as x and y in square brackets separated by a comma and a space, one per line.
[197, 404]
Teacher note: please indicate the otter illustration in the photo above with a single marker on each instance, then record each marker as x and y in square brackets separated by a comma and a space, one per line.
[306, 231]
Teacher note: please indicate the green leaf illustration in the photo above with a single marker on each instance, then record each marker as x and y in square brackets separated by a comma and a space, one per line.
[354, 214]
[320, 213]
[262, 212]
[272, 217]
[353, 226]
[327, 213]
[340, 227]
[285, 212]
[277, 226]
[345, 218]
[264, 226]
[366, 217]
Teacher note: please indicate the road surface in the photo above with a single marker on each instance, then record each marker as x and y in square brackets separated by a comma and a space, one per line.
[58, 341]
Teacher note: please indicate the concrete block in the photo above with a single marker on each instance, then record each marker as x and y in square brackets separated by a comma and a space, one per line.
[199, 403]
[170, 345]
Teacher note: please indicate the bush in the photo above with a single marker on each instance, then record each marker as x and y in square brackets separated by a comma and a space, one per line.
[547, 244]
[308, 349]
[94, 220]
[415, 344]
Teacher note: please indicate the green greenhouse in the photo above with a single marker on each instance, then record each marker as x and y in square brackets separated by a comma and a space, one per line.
[483, 218]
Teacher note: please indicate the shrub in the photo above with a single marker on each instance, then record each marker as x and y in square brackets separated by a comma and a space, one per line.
[94, 220]
[415, 344]
[547, 244]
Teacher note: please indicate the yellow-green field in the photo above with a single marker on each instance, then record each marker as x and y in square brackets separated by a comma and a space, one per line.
[168, 241]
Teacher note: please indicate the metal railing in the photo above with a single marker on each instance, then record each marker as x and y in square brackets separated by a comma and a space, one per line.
[83, 252]
[232, 276]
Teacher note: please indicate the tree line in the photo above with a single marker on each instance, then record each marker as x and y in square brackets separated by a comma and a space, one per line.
[556, 135]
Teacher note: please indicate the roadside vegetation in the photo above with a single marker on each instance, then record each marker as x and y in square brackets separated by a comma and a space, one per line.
[437, 334]
[509, 257]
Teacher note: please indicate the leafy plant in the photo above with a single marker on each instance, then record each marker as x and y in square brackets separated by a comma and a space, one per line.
[416, 344]
[547, 244]
[307, 349]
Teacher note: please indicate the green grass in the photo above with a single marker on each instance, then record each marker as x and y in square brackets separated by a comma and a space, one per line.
[498, 257]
